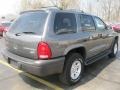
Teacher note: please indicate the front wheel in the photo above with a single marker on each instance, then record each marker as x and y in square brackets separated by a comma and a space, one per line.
[114, 50]
[73, 69]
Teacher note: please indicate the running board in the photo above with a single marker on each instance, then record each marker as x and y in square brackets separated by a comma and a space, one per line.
[97, 57]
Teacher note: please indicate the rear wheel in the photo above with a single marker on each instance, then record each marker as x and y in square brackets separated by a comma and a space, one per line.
[114, 50]
[73, 69]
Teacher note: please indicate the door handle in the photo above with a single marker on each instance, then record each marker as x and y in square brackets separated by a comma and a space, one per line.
[100, 35]
[93, 37]
[105, 35]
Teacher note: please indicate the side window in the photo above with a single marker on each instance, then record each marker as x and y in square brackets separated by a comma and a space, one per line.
[87, 23]
[99, 24]
[65, 23]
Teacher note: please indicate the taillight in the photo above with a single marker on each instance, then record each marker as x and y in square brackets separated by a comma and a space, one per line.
[44, 51]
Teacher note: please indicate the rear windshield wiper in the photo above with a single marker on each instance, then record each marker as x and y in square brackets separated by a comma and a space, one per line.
[19, 34]
[29, 32]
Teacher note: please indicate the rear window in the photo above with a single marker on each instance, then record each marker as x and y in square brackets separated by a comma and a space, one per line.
[29, 22]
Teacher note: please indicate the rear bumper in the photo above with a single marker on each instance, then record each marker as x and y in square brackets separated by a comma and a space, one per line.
[36, 67]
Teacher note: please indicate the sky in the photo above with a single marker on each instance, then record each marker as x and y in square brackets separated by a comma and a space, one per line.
[8, 7]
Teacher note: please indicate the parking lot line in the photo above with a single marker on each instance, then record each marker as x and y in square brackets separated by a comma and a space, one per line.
[53, 86]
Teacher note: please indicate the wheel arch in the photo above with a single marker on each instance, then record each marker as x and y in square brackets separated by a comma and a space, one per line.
[80, 50]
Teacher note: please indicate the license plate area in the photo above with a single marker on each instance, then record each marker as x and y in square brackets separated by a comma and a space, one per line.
[13, 63]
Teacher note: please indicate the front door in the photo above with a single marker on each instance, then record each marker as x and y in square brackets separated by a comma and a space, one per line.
[103, 32]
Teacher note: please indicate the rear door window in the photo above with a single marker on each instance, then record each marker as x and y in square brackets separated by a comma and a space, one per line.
[65, 23]
[87, 23]
[29, 22]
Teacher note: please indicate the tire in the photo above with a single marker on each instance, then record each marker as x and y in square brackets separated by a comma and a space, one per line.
[114, 50]
[67, 77]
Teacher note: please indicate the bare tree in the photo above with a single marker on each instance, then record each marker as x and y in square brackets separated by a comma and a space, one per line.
[117, 10]
[54, 3]
[30, 4]
[89, 7]
[111, 10]
[63, 4]
[106, 9]
[36, 4]
[24, 4]
[66, 4]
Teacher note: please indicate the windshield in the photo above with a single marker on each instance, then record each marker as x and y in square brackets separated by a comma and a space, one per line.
[29, 22]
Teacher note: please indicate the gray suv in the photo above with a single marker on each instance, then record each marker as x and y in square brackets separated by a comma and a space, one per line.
[53, 41]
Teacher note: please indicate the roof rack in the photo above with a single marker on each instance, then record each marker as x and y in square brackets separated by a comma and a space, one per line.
[51, 7]
[42, 8]
[76, 10]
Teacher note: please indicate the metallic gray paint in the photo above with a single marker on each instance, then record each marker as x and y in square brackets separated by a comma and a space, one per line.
[25, 46]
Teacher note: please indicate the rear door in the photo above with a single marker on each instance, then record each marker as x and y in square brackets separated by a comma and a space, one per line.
[65, 32]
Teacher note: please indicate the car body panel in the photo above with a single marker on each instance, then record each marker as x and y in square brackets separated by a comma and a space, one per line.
[24, 45]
